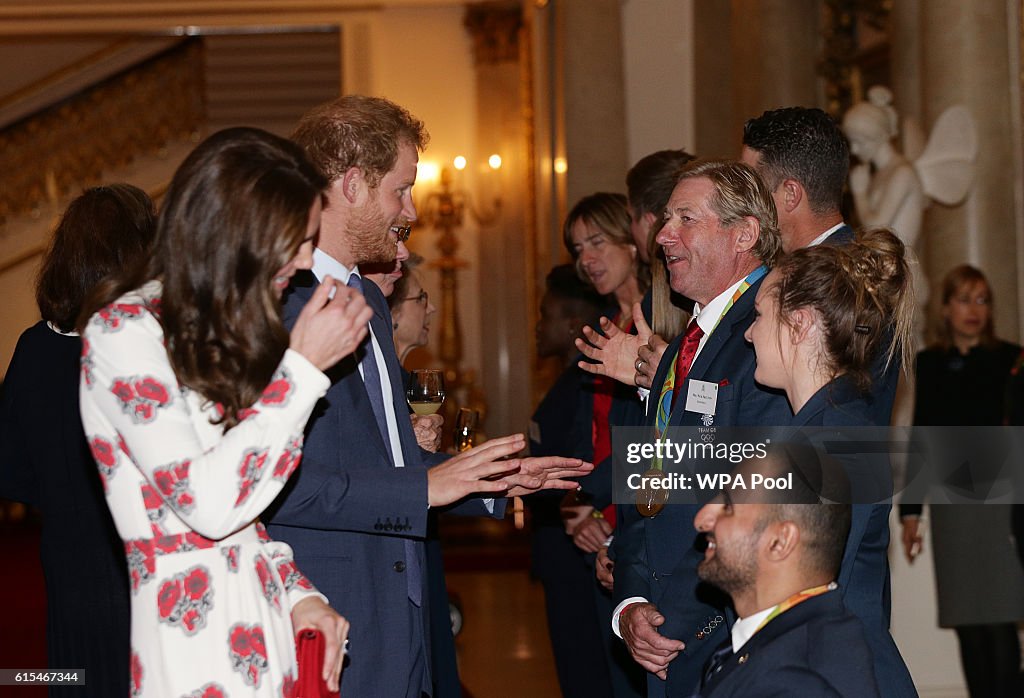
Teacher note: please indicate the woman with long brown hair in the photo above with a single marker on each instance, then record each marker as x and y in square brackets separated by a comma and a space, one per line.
[194, 398]
[598, 235]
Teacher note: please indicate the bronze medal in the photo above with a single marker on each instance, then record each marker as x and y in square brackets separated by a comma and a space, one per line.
[649, 500]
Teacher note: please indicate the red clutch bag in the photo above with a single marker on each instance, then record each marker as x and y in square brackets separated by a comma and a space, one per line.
[309, 645]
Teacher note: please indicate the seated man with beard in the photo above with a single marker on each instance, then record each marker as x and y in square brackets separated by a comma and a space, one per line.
[777, 554]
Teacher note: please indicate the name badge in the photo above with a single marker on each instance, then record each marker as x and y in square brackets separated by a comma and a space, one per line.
[701, 397]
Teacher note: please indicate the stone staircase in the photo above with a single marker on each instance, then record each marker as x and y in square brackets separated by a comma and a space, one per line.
[130, 112]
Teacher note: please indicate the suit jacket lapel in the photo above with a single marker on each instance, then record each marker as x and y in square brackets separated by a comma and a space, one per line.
[381, 326]
[824, 604]
[659, 377]
[727, 327]
[351, 393]
[810, 410]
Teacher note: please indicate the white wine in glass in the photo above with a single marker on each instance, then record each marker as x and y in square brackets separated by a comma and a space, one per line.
[426, 394]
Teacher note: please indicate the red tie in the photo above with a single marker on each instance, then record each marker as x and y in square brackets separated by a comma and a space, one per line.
[684, 359]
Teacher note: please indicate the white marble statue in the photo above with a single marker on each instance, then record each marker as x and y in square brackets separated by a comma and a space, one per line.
[891, 188]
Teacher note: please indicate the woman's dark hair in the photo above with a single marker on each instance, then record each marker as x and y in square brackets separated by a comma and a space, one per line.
[608, 213]
[563, 283]
[955, 281]
[103, 231]
[236, 211]
[401, 286]
[864, 294]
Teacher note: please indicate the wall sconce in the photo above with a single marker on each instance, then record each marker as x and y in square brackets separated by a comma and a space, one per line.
[444, 208]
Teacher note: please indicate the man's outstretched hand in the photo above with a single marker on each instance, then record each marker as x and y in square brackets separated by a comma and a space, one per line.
[482, 470]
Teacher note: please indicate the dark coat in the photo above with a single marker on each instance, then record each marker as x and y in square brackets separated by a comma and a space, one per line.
[813, 650]
[656, 557]
[834, 413]
[347, 512]
[46, 462]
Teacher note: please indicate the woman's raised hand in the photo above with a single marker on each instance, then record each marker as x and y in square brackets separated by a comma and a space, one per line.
[330, 328]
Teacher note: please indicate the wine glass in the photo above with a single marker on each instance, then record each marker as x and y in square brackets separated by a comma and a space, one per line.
[426, 393]
[465, 429]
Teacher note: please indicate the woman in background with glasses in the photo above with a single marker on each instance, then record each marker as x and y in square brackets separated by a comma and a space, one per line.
[411, 309]
[962, 381]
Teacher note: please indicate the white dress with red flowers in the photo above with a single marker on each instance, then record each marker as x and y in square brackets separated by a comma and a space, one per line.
[211, 593]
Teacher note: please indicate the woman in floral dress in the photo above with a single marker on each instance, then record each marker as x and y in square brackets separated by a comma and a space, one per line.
[194, 398]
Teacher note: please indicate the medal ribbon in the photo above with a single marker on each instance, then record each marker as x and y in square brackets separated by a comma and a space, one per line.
[795, 599]
[666, 398]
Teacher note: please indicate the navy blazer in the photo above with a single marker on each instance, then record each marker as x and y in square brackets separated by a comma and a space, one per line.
[864, 582]
[657, 558]
[347, 512]
[815, 649]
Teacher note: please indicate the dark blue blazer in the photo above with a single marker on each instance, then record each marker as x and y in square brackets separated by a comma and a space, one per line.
[347, 512]
[815, 649]
[864, 582]
[657, 558]
[561, 426]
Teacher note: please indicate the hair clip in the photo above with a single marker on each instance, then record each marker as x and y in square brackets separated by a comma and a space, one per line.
[862, 329]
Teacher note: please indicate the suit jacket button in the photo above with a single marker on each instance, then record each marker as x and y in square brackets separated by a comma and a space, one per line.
[399, 566]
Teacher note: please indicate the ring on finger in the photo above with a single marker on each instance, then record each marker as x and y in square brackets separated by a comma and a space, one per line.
[639, 363]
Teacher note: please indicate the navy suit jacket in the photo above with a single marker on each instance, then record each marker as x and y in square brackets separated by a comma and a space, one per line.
[347, 512]
[864, 571]
[657, 558]
[815, 649]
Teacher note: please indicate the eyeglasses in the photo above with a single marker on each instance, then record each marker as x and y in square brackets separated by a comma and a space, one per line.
[421, 297]
[402, 231]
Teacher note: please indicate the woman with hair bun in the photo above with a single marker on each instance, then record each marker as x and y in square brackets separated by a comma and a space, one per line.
[823, 316]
